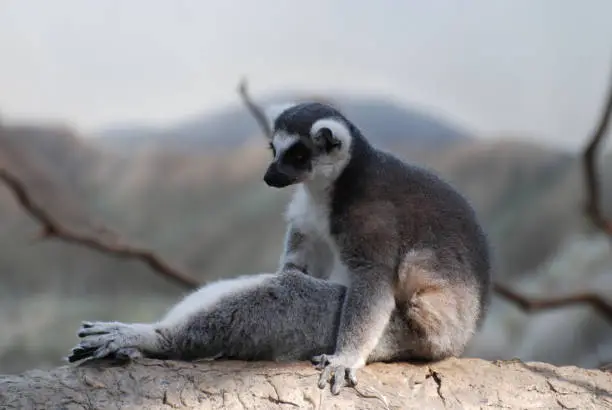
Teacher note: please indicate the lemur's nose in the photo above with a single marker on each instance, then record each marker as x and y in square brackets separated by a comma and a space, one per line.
[275, 178]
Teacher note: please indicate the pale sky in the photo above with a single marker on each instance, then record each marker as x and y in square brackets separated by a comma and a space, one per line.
[533, 68]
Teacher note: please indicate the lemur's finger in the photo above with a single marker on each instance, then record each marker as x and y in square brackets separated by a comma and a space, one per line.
[80, 350]
[95, 329]
[338, 379]
[104, 352]
[80, 354]
[325, 377]
[95, 341]
[351, 375]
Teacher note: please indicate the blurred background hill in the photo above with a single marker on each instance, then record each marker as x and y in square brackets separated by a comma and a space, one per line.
[232, 126]
[138, 129]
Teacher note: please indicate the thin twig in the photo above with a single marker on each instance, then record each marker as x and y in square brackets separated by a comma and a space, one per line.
[593, 203]
[53, 229]
[253, 108]
[531, 304]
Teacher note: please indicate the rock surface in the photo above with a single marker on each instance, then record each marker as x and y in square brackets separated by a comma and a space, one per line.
[450, 384]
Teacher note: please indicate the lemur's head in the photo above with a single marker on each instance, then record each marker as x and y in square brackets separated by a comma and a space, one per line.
[309, 142]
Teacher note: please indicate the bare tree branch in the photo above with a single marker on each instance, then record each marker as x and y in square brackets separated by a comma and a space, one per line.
[53, 229]
[593, 202]
[256, 111]
[531, 304]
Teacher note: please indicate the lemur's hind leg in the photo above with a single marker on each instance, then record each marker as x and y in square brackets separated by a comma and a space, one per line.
[443, 310]
[436, 313]
[174, 336]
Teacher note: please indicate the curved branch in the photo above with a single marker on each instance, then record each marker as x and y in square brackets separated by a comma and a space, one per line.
[593, 202]
[534, 304]
[53, 229]
[253, 108]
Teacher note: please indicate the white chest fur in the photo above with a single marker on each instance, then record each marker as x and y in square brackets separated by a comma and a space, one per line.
[310, 212]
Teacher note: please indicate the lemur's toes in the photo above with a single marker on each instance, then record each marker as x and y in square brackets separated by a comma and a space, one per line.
[80, 353]
[351, 375]
[93, 328]
[338, 380]
[325, 377]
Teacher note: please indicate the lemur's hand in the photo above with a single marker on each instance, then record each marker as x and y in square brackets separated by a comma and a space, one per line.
[108, 339]
[341, 369]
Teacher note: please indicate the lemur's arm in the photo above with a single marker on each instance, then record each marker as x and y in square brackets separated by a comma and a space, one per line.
[368, 304]
[295, 252]
[305, 252]
[367, 309]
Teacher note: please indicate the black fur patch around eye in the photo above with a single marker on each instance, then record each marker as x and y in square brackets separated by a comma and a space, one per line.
[297, 155]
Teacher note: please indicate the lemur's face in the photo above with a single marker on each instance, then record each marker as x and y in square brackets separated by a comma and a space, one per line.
[308, 142]
[295, 158]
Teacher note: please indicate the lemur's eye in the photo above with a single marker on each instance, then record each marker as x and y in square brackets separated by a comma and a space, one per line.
[298, 154]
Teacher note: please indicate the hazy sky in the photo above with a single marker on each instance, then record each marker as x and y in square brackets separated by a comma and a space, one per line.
[535, 68]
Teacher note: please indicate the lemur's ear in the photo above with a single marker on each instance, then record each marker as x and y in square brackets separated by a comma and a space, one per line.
[326, 139]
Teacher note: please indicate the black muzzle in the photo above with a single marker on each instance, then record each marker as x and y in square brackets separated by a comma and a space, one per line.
[277, 179]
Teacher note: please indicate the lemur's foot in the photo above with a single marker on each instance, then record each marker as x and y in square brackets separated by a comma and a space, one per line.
[111, 339]
[338, 370]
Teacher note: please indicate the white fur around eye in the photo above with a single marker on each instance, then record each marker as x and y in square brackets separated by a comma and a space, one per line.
[338, 128]
[282, 141]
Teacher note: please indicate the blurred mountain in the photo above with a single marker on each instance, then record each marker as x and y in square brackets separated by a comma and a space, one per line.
[386, 122]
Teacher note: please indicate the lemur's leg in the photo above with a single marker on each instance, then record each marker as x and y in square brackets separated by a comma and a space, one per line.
[306, 253]
[436, 322]
[443, 316]
[183, 333]
[367, 309]
[440, 302]
[288, 316]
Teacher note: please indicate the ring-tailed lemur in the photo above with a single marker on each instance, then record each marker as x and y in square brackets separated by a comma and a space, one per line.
[399, 237]
[439, 281]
